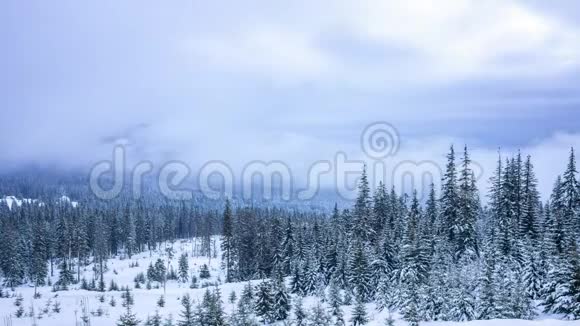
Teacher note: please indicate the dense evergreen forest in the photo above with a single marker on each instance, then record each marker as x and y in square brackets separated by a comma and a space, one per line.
[449, 258]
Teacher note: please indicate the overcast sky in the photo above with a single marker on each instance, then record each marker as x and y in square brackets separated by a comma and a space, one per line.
[240, 81]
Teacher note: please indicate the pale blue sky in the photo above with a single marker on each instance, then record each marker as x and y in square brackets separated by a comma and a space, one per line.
[201, 80]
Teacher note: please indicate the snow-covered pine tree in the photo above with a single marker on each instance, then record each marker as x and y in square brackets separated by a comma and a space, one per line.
[318, 316]
[462, 306]
[486, 307]
[187, 314]
[183, 268]
[65, 277]
[247, 297]
[529, 223]
[362, 228]
[265, 302]
[562, 291]
[282, 304]
[310, 275]
[571, 198]
[380, 210]
[156, 320]
[299, 313]
[130, 233]
[227, 242]
[360, 277]
[468, 210]
[334, 298]
[359, 313]
[128, 318]
[532, 277]
[216, 314]
[450, 202]
[39, 269]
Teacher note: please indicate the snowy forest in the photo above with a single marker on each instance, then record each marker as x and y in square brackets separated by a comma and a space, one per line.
[462, 254]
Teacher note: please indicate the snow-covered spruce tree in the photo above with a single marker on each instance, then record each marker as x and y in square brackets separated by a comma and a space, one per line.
[412, 274]
[435, 302]
[571, 198]
[128, 318]
[410, 306]
[486, 307]
[318, 316]
[380, 211]
[247, 297]
[38, 268]
[362, 228]
[522, 305]
[556, 233]
[65, 277]
[385, 260]
[130, 233]
[432, 221]
[201, 314]
[233, 297]
[297, 282]
[187, 314]
[310, 274]
[532, 277]
[243, 315]
[450, 203]
[390, 321]
[468, 207]
[503, 284]
[212, 307]
[338, 319]
[462, 306]
[160, 271]
[183, 268]
[156, 320]
[386, 294]
[227, 242]
[359, 313]
[288, 247]
[530, 207]
[12, 252]
[299, 318]
[161, 302]
[128, 299]
[264, 307]
[282, 304]
[334, 298]
[508, 223]
[562, 291]
[360, 277]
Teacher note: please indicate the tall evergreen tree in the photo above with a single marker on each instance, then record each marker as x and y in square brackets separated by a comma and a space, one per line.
[363, 210]
[450, 201]
[227, 243]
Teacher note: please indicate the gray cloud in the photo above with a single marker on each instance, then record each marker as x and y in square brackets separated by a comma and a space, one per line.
[200, 81]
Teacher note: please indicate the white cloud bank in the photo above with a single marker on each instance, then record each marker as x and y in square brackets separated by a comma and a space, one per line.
[443, 40]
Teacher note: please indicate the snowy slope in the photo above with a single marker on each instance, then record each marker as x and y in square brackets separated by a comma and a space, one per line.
[13, 200]
[145, 300]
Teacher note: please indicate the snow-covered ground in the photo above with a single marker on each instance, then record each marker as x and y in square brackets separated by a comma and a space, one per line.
[72, 301]
[13, 200]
